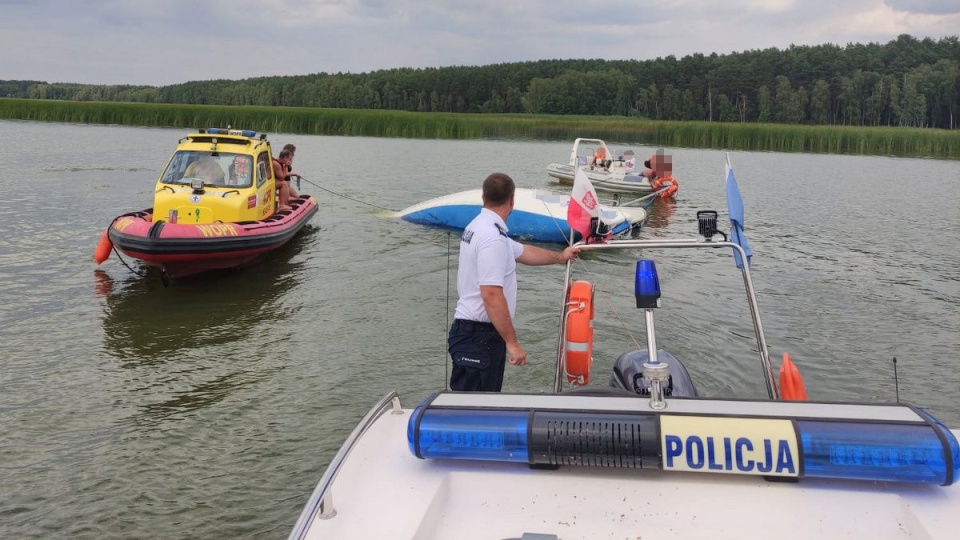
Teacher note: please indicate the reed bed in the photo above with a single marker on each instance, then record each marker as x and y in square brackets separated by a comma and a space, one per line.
[888, 141]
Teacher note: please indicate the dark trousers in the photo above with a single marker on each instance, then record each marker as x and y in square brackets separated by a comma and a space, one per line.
[479, 356]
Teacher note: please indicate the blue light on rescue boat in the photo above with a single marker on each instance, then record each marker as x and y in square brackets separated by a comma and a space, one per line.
[241, 132]
[921, 451]
[646, 286]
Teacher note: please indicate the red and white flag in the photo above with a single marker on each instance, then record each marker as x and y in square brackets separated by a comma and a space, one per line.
[583, 204]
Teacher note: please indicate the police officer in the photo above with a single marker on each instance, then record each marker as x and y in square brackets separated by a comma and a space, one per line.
[482, 334]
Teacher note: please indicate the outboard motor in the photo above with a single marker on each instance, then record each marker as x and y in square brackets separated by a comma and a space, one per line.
[651, 372]
[628, 374]
[599, 231]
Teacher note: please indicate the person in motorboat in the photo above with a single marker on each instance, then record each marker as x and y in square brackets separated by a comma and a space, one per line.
[600, 159]
[482, 334]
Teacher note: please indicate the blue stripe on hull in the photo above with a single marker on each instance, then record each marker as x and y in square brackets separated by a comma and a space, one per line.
[522, 225]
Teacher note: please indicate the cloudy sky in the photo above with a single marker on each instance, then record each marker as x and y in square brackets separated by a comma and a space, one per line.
[161, 42]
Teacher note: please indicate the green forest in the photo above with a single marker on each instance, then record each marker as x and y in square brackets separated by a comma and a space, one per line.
[904, 83]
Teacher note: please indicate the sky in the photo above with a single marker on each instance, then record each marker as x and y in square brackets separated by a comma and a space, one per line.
[164, 42]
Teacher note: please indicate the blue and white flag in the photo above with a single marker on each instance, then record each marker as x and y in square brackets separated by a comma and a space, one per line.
[735, 210]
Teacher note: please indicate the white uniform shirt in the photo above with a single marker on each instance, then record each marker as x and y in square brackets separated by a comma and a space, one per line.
[487, 257]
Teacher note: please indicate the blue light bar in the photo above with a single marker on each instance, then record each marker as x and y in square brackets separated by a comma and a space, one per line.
[882, 452]
[890, 444]
[473, 435]
[241, 132]
[646, 286]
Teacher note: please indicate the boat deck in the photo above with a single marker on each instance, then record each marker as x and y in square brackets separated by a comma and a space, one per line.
[383, 491]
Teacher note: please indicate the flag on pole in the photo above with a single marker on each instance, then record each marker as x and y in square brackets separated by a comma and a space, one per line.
[735, 210]
[584, 204]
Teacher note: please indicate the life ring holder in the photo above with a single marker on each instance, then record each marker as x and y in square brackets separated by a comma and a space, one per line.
[578, 333]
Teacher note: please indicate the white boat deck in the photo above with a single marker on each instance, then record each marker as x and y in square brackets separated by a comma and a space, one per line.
[383, 491]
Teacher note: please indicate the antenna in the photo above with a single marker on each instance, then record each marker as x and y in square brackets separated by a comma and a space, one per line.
[896, 381]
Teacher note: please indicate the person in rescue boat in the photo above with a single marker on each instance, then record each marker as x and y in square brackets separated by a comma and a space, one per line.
[293, 150]
[290, 174]
[205, 168]
[239, 171]
[482, 334]
[282, 177]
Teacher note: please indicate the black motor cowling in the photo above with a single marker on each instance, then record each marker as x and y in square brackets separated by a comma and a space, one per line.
[628, 374]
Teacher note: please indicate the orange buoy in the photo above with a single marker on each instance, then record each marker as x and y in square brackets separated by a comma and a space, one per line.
[578, 345]
[791, 383]
[104, 246]
[669, 190]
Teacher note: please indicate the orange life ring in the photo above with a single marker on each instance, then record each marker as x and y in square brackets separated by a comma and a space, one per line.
[578, 342]
[791, 383]
[671, 189]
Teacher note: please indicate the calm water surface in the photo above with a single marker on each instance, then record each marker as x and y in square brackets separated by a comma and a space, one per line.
[209, 408]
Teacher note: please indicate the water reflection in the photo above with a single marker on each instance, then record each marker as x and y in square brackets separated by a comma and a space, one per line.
[198, 395]
[660, 213]
[147, 322]
[199, 342]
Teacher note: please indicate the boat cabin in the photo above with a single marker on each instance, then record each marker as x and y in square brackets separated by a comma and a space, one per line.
[217, 175]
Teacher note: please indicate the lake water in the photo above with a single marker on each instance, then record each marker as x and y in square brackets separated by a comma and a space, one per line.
[209, 408]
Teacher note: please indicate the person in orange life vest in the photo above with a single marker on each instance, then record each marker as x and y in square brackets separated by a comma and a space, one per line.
[282, 177]
[658, 165]
[239, 171]
[600, 159]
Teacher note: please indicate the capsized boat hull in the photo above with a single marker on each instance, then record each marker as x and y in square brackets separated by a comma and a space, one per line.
[537, 215]
[181, 249]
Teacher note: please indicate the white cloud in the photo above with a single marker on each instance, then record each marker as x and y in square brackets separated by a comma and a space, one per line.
[163, 42]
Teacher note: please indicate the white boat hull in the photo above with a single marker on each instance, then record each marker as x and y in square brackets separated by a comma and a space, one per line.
[615, 181]
[540, 216]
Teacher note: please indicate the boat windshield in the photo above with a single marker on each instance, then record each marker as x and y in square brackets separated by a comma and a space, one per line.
[221, 169]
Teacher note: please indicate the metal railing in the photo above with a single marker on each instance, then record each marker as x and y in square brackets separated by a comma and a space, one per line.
[772, 390]
[320, 505]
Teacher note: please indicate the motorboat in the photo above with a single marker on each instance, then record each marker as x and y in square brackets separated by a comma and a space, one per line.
[645, 456]
[537, 215]
[215, 207]
[621, 175]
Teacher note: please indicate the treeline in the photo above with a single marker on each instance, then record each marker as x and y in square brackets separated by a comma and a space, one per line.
[887, 141]
[906, 82]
